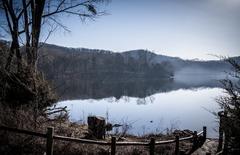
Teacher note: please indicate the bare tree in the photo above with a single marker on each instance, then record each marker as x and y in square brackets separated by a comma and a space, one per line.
[230, 103]
[24, 20]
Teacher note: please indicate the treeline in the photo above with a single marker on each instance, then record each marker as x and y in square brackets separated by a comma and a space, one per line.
[59, 62]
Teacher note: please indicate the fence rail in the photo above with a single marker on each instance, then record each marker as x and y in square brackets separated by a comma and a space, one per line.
[78, 140]
[152, 143]
[32, 133]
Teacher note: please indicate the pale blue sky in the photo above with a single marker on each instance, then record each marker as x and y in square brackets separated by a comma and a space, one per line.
[184, 28]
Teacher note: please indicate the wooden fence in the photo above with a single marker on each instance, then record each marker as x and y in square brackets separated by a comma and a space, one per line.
[50, 136]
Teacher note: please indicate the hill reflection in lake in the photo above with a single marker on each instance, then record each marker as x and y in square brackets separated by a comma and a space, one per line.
[141, 88]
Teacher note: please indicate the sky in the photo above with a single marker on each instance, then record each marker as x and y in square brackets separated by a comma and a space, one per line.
[183, 28]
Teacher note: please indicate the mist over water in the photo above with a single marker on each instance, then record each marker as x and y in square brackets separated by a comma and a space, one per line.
[196, 76]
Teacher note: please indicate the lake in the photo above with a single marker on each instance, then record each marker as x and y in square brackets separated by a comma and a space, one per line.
[158, 111]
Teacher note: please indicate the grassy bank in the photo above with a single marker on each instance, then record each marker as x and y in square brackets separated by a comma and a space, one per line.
[26, 118]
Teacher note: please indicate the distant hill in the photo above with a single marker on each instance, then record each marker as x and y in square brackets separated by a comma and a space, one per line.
[136, 63]
[101, 64]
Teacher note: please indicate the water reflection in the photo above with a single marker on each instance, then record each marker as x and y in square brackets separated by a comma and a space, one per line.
[183, 109]
[147, 105]
[141, 88]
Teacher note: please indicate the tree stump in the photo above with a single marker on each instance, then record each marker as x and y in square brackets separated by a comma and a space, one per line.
[96, 126]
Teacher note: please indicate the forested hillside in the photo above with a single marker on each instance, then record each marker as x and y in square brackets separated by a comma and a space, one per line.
[59, 62]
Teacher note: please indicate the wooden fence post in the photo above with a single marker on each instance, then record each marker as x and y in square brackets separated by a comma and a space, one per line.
[226, 130]
[220, 131]
[50, 132]
[204, 133]
[177, 145]
[152, 146]
[113, 146]
[195, 142]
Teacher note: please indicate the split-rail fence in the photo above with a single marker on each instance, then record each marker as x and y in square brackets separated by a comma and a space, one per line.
[50, 137]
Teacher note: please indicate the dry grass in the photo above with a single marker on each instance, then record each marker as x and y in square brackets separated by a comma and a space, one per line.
[25, 118]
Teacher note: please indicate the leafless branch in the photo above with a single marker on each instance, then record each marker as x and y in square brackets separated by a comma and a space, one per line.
[57, 11]
[56, 110]
[24, 8]
[60, 24]
[7, 17]
[48, 35]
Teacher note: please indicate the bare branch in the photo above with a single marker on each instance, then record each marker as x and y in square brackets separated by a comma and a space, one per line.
[57, 11]
[57, 110]
[60, 24]
[24, 8]
[60, 4]
[48, 35]
[10, 9]
[78, 14]
[7, 17]
[23, 31]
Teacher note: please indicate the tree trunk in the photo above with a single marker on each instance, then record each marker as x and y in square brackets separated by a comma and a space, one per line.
[37, 11]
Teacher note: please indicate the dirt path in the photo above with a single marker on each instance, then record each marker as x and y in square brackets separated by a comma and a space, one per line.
[210, 146]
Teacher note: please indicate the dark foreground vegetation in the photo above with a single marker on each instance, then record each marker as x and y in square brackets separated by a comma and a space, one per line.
[38, 142]
[229, 130]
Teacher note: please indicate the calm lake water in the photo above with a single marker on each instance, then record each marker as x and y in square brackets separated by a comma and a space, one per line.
[179, 108]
